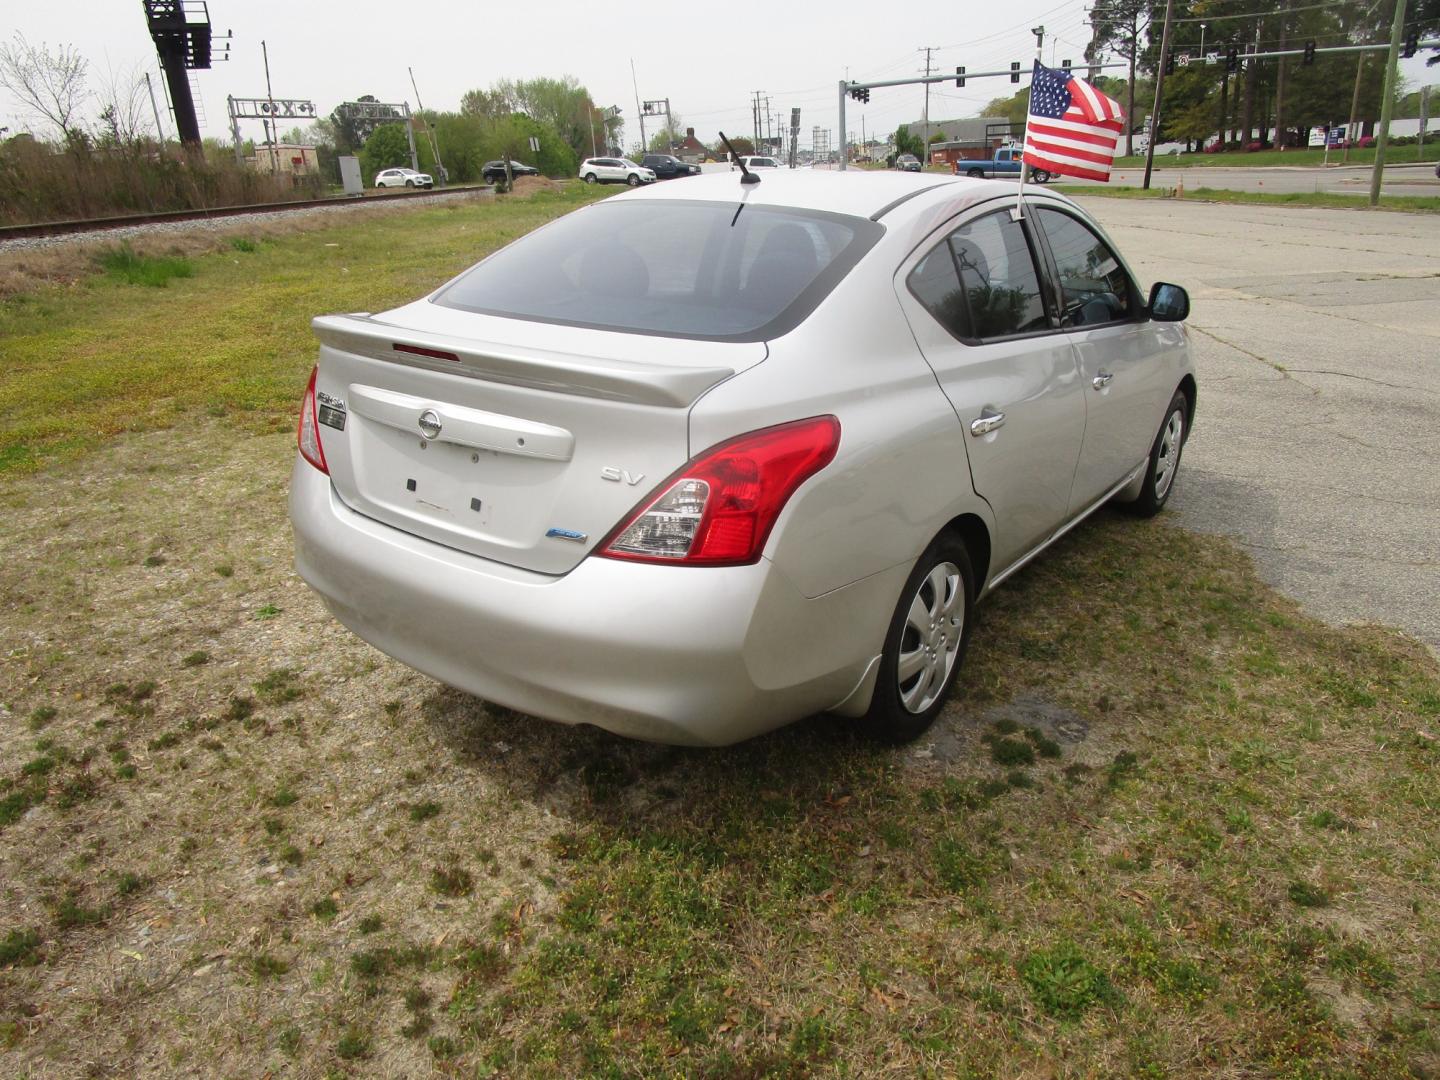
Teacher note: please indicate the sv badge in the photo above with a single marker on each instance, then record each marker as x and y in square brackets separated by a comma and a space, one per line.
[610, 472]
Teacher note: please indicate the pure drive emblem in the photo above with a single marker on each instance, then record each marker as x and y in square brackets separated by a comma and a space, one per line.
[429, 423]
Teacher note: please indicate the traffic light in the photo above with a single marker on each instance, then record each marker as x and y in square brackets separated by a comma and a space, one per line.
[959, 77]
[1232, 59]
[860, 94]
[1064, 65]
[1170, 63]
[1014, 70]
[1309, 52]
[1412, 43]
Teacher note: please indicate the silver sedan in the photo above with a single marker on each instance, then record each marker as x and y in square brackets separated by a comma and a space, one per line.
[699, 460]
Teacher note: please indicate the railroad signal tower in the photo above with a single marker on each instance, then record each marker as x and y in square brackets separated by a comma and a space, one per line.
[183, 38]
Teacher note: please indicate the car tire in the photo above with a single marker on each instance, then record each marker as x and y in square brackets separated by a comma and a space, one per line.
[1040, 176]
[633, 179]
[409, 183]
[931, 626]
[978, 174]
[1164, 460]
[590, 178]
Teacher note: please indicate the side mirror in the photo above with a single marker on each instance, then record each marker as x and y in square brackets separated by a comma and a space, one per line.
[1168, 303]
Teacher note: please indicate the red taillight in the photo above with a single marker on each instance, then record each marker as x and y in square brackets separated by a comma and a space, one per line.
[719, 509]
[308, 434]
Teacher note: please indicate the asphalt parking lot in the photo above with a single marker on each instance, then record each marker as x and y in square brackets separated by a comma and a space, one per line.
[1318, 435]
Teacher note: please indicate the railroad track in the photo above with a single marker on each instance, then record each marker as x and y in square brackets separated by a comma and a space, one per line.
[61, 228]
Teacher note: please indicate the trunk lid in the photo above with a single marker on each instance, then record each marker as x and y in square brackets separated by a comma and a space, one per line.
[517, 441]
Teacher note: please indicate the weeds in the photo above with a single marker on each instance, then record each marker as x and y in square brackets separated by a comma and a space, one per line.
[19, 947]
[1064, 983]
[156, 271]
[451, 880]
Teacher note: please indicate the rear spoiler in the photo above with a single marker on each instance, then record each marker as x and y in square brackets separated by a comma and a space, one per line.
[669, 384]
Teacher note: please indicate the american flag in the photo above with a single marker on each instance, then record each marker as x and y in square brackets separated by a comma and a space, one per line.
[1072, 127]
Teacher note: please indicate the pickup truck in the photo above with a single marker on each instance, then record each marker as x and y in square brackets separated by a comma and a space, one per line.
[1006, 162]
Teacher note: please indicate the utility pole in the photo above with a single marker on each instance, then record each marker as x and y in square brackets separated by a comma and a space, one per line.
[270, 96]
[159, 131]
[1350, 129]
[1159, 86]
[430, 131]
[638, 111]
[1424, 116]
[925, 147]
[1252, 77]
[1280, 82]
[1397, 28]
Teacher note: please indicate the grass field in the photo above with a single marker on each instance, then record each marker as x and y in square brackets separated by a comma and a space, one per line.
[85, 363]
[1413, 204]
[1394, 155]
[1169, 827]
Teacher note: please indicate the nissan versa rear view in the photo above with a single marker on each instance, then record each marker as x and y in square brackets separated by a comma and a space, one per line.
[702, 459]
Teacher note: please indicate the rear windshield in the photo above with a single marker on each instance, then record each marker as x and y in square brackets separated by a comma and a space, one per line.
[677, 268]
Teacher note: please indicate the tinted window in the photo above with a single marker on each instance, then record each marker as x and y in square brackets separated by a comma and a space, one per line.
[980, 283]
[689, 269]
[1094, 287]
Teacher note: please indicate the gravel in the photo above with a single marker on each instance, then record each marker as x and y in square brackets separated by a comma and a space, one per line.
[228, 221]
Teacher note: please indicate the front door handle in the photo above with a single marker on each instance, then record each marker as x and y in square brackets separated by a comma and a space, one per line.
[1101, 380]
[987, 422]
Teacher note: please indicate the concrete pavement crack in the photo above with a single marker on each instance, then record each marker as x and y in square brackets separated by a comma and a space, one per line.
[1362, 378]
[1284, 371]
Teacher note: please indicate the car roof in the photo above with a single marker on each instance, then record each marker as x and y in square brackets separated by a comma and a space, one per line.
[854, 192]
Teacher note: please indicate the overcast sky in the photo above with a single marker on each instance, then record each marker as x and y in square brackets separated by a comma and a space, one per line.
[706, 58]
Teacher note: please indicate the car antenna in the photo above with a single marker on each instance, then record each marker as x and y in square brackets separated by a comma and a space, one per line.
[746, 176]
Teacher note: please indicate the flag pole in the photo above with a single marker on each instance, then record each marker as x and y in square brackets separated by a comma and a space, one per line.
[1039, 33]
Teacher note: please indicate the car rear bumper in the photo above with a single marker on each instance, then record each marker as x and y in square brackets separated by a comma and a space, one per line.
[695, 656]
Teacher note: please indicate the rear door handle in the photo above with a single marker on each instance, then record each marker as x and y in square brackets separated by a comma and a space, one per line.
[987, 422]
[1102, 380]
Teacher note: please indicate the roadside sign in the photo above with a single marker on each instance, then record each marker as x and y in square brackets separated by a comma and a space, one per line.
[534, 144]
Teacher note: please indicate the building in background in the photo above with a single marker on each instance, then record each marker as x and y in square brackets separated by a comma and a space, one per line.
[292, 159]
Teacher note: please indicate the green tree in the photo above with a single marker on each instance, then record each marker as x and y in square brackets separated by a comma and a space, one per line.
[743, 146]
[907, 142]
[386, 148]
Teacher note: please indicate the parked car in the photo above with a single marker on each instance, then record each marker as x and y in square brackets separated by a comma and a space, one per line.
[1008, 161]
[907, 163]
[690, 473]
[603, 170]
[403, 178]
[492, 172]
[756, 161]
[668, 167]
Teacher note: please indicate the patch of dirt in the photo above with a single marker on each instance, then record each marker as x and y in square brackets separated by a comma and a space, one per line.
[526, 186]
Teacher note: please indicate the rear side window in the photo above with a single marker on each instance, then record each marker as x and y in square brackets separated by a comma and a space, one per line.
[980, 283]
[722, 271]
[1094, 288]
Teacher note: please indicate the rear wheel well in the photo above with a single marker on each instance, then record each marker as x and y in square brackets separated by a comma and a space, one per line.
[976, 538]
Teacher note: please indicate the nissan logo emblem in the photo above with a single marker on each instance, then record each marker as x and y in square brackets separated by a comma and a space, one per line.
[429, 424]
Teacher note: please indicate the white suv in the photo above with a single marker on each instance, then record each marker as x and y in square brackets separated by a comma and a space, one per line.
[403, 178]
[607, 170]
